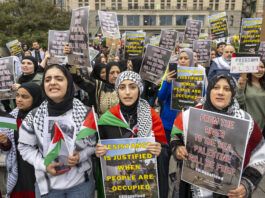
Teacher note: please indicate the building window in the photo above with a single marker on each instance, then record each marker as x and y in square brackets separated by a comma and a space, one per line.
[181, 19]
[149, 20]
[149, 4]
[231, 20]
[132, 4]
[199, 18]
[120, 20]
[166, 20]
[133, 20]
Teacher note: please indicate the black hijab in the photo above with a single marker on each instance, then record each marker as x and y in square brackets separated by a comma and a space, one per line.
[97, 70]
[56, 109]
[27, 78]
[208, 104]
[36, 94]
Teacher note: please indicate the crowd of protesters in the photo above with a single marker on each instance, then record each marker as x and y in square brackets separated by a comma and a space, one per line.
[115, 86]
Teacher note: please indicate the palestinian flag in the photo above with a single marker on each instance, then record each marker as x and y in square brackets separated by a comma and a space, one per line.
[177, 126]
[9, 123]
[113, 118]
[55, 145]
[89, 126]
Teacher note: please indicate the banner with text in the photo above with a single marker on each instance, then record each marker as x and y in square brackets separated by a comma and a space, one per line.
[168, 39]
[244, 63]
[128, 169]
[7, 78]
[216, 145]
[154, 63]
[192, 30]
[109, 24]
[218, 25]
[261, 51]
[134, 44]
[250, 35]
[15, 48]
[187, 87]
[203, 50]
[78, 40]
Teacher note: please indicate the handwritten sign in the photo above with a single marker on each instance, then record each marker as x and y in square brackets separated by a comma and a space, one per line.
[244, 63]
[109, 24]
[128, 169]
[250, 35]
[216, 150]
[168, 39]
[218, 25]
[154, 63]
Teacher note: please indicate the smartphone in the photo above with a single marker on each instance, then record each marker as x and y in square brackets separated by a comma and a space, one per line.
[173, 67]
[62, 169]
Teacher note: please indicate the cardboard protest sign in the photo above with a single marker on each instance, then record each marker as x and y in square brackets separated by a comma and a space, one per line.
[250, 35]
[168, 39]
[128, 169]
[134, 44]
[192, 30]
[187, 87]
[15, 48]
[216, 145]
[154, 63]
[109, 24]
[203, 50]
[261, 51]
[78, 40]
[7, 78]
[244, 63]
[56, 41]
[218, 25]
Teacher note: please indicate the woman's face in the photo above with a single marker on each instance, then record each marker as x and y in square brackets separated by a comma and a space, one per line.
[23, 99]
[261, 71]
[103, 60]
[103, 74]
[113, 74]
[27, 67]
[195, 57]
[55, 84]
[128, 92]
[184, 59]
[213, 54]
[221, 94]
[27, 53]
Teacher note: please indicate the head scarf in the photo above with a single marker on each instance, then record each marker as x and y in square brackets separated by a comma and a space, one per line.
[97, 70]
[56, 109]
[36, 94]
[27, 78]
[233, 104]
[190, 55]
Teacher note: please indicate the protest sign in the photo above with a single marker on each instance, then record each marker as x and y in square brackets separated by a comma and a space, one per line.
[218, 25]
[250, 35]
[92, 53]
[187, 87]
[15, 48]
[109, 24]
[168, 39]
[244, 63]
[134, 44]
[154, 63]
[216, 145]
[78, 40]
[192, 30]
[154, 40]
[56, 42]
[128, 169]
[203, 50]
[261, 51]
[7, 78]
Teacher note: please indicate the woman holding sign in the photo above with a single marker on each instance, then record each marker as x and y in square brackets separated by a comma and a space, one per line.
[251, 95]
[135, 113]
[54, 179]
[220, 98]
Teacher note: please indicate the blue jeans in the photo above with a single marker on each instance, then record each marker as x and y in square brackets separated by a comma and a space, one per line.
[83, 190]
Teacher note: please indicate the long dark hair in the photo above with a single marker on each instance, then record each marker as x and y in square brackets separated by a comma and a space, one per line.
[261, 80]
